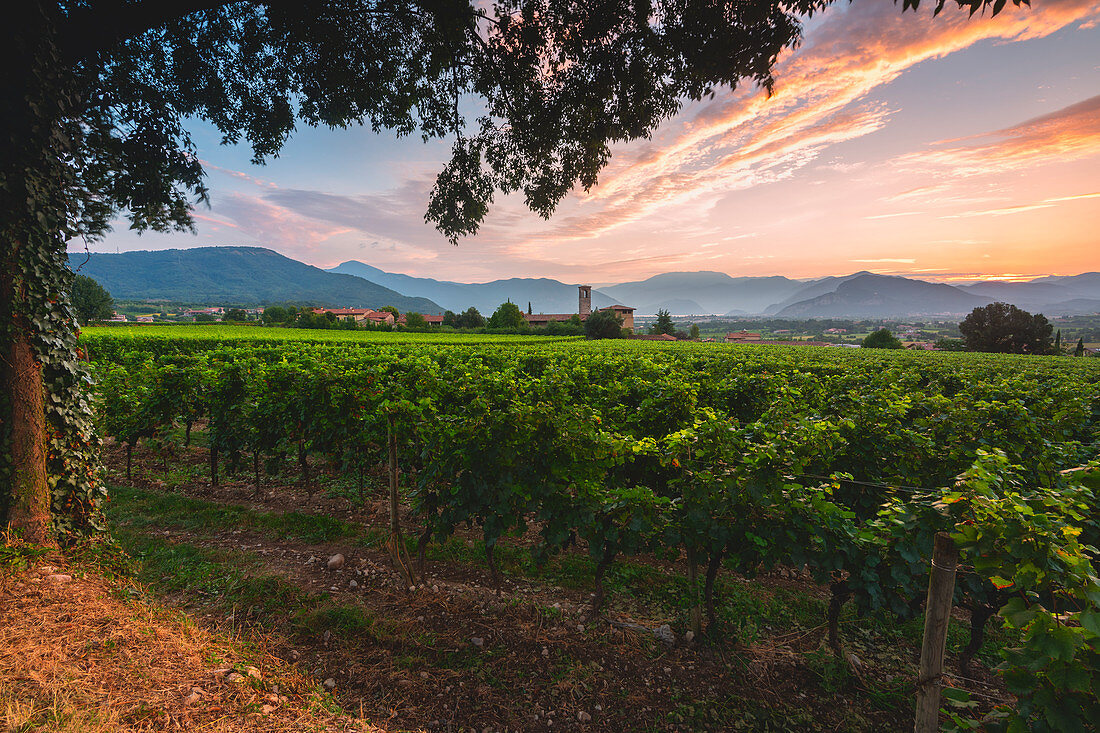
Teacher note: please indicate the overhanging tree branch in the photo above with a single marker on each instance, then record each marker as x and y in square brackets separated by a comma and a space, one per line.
[103, 25]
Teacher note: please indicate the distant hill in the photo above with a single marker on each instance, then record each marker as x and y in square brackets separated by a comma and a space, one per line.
[713, 292]
[812, 289]
[1052, 294]
[883, 296]
[675, 306]
[544, 295]
[1075, 307]
[247, 276]
[1085, 283]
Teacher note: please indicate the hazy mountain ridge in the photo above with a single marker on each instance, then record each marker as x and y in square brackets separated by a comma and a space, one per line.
[257, 276]
[712, 292]
[246, 276]
[883, 296]
[544, 294]
[812, 289]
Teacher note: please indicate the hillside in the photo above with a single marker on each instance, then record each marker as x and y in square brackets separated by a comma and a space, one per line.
[1052, 294]
[882, 296]
[544, 295]
[710, 292]
[812, 289]
[246, 276]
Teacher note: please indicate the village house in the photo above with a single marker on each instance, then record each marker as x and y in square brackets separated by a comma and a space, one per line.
[742, 336]
[362, 315]
[431, 320]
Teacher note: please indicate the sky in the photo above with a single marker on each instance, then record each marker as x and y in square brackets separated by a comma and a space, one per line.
[947, 148]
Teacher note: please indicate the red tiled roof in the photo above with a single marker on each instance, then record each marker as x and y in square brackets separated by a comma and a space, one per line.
[782, 343]
[547, 317]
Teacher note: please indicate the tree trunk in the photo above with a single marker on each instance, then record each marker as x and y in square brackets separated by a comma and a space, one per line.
[303, 467]
[256, 470]
[29, 507]
[708, 588]
[422, 547]
[979, 617]
[696, 614]
[214, 466]
[129, 460]
[601, 570]
[836, 603]
[494, 572]
[396, 541]
[187, 435]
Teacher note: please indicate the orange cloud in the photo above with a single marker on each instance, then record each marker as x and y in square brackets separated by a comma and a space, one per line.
[745, 138]
[1067, 134]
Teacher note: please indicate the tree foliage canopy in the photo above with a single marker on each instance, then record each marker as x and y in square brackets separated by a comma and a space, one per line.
[881, 339]
[663, 324]
[274, 314]
[507, 315]
[235, 314]
[90, 300]
[1005, 329]
[603, 324]
[469, 318]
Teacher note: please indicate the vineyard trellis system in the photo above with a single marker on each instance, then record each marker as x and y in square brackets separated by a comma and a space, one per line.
[746, 458]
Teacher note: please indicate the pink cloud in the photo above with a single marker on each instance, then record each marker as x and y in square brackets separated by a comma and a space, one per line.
[273, 225]
[745, 138]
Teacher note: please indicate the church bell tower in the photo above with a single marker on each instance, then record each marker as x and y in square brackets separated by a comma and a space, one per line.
[585, 307]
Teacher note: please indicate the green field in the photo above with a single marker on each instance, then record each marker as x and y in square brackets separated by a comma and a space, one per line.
[242, 334]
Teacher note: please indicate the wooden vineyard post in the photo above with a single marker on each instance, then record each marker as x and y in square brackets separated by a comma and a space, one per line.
[396, 544]
[937, 614]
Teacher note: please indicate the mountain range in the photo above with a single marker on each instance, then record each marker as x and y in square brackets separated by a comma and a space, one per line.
[544, 295]
[244, 276]
[258, 276]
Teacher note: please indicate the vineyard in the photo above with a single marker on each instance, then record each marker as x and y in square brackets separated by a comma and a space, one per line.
[707, 459]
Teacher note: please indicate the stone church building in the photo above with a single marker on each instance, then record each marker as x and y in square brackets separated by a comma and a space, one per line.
[584, 309]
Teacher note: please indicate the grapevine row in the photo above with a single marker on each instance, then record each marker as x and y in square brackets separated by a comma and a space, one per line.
[746, 459]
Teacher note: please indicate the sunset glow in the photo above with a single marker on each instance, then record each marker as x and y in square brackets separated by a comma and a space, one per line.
[948, 148]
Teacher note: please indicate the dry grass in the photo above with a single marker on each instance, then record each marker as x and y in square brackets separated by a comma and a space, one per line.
[75, 658]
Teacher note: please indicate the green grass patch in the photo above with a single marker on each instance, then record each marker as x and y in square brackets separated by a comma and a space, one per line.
[17, 557]
[139, 509]
[336, 618]
[222, 578]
